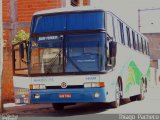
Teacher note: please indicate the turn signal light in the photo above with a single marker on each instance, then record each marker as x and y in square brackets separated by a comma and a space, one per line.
[37, 86]
[94, 84]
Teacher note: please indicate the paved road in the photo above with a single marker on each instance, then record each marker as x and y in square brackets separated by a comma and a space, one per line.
[150, 105]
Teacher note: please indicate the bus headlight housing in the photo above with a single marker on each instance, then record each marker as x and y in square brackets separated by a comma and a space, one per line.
[93, 84]
[37, 86]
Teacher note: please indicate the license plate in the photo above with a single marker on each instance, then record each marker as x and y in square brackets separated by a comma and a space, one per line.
[65, 95]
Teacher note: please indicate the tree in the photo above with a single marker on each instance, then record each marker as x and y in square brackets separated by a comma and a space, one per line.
[20, 36]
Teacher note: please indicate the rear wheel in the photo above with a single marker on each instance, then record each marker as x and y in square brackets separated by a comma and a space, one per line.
[133, 98]
[141, 96]
[58, 107]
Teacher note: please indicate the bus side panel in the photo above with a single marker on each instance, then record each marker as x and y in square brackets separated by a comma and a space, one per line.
[109, 79]
[132, 67]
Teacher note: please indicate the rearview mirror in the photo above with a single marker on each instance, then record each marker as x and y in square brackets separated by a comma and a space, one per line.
[112, 53]
[112, 49]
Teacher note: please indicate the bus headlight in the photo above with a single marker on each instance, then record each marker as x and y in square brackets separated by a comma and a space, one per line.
[93, 84]
[42, 87]
[96, 95]
[37, 86]
[87, 85]
[36, 96]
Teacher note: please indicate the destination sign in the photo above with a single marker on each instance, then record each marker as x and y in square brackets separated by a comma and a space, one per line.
[49, 38]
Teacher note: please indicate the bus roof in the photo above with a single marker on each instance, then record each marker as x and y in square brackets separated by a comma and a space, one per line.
[68, 9]
[79, 9]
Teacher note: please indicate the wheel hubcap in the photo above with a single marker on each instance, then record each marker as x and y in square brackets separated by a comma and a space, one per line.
[118, 93]
[143, 89]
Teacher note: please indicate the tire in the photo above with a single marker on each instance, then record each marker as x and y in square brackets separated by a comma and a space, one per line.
[118, 91]
[133, 98]
[58, 107]
[125, 101]
[141, 96]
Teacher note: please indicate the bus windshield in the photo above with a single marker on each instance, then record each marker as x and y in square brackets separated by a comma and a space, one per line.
[72, 53]
[68, 43]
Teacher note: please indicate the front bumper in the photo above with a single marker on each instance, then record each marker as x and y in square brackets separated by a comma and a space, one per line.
[77, 95]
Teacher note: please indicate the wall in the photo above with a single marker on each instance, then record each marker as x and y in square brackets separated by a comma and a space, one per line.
[17, 15]
[154, 44]
[1, 57]
[154, 47]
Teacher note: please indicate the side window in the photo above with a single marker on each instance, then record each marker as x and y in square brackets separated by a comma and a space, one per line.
[116, 26]
[142, 45]
[148, 48]
[134, 41]
[121, 32]
[125, 34]
[109, 25]
[138, 43]
[145, 44]
[131, 38]
[128, 37]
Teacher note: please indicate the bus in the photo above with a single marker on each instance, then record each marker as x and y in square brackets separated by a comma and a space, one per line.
[80, 55]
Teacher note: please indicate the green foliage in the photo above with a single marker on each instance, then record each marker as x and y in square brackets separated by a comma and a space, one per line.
[20, 36]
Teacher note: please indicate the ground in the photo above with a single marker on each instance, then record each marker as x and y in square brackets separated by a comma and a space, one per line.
[149, 105]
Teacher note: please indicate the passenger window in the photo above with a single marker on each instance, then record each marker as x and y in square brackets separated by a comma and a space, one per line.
[116, 30]
[145, 47]
[142, 45]
[148, 48]
[121, 32]
[128, 37]
[125, 35]
[133, 38]
[138, 43]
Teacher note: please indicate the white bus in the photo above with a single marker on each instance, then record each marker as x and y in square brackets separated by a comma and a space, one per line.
[80, 55]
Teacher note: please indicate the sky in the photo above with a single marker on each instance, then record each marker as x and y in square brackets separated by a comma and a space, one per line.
[127, 10]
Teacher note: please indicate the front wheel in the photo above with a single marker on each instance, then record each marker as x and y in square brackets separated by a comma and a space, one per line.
[58, 107]
[116, 103]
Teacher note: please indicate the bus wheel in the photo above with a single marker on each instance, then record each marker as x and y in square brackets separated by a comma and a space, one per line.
[133, 98]
[58, 107]
[142, 91]
[116, 103]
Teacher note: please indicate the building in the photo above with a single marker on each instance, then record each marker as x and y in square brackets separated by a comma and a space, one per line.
[16, 16]
[154, 48]
[154, 44]
[1, 55]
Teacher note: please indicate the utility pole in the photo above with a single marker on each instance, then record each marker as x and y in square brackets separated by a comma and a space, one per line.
[139, 19]
[1, 59]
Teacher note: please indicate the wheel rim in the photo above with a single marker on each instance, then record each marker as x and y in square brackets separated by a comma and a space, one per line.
[143, 90]
[117, 94]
